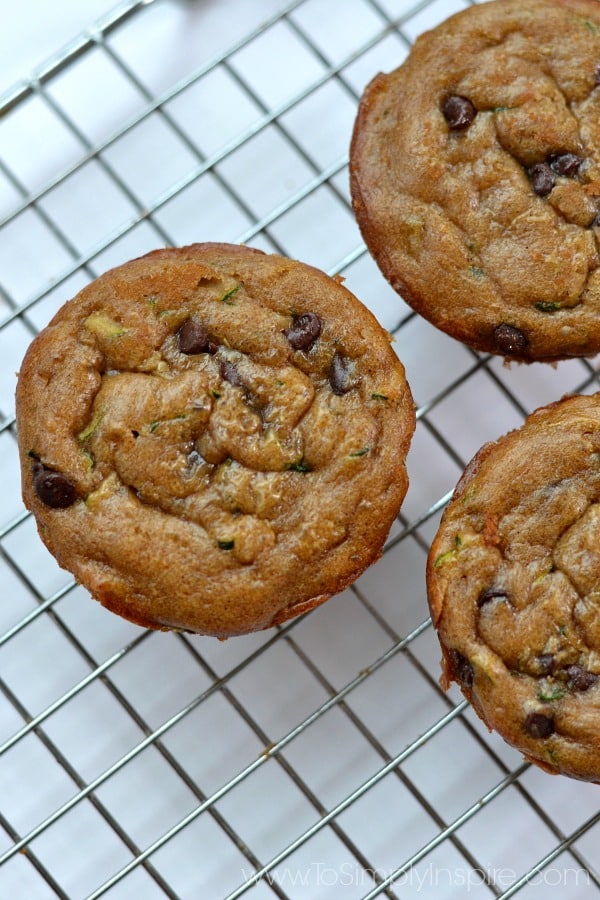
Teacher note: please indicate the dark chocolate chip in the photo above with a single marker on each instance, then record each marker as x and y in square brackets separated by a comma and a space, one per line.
[567, 164]
[597, 78]
[509, 339]
[458, 112]
[545, 663]
[542, 179]
[53, 488]
[539, 725]
[340, 379]
[491, 594]
[135, 433]
[192, 337]
[226, 544]
[463, 670]
[580, 679]
[304, 331]
[230, 373]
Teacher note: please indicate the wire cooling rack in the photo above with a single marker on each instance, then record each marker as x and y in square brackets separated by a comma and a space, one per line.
[319, 759]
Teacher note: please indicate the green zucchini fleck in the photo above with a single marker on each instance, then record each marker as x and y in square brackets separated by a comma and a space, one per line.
[546, 307]
[227, 297]
[300, 466]
[103, 326]
[154, 425]
[543, 575]
[362, 452]
[549, 693]
[591, 26]
[551, 754]
[477, 272]
[444, 558]
[91, 461]
[449, 555]
[89, 429]
[226, 544]
[383, 397]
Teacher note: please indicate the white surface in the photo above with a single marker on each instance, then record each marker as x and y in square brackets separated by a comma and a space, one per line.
[35, 30]
[218, 706]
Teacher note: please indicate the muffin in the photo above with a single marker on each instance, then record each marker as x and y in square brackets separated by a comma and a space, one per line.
[213, 439]
[513, 580]
[475, 177]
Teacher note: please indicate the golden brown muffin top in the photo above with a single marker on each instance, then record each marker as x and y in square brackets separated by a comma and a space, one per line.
[213, 438]
[475, 175]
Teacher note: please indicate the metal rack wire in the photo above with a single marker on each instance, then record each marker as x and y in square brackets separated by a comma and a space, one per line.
[317, 757]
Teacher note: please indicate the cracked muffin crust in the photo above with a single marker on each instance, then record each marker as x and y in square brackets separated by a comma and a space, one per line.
[213, 439]
[513, 580]
[475, 177]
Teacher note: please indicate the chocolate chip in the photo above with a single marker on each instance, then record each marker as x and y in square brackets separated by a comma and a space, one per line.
[340, 375]
[226, 544]
[304, 331]
[509, 339]
[580, 679]
[53, 488]
[463, 670]
[192, 337]
[491, 594]
[567, 164]
[545, 663]
[230, 373]
[542, 179]
[538, 725]
[597, 77]
[458, 112]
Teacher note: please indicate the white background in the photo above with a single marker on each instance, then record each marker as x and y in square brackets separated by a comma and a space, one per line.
[33, 30]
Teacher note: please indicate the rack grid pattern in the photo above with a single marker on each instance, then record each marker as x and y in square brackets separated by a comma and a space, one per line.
[321, 756]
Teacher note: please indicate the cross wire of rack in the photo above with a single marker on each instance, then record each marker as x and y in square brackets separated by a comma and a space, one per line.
[310, 759]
